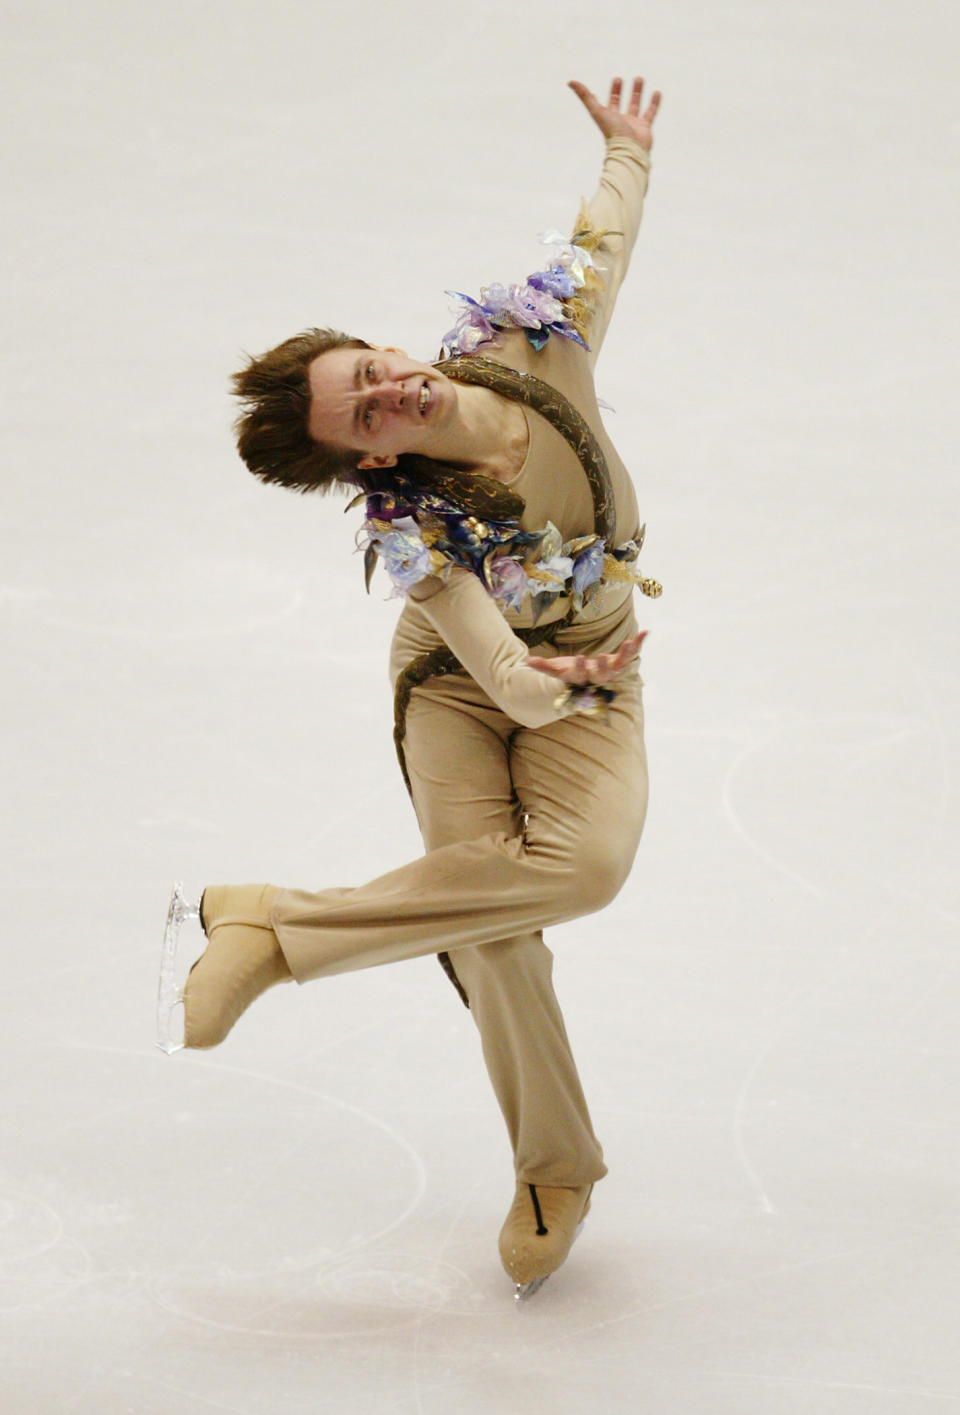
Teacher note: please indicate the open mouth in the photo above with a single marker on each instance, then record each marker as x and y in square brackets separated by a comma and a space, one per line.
[424, 399]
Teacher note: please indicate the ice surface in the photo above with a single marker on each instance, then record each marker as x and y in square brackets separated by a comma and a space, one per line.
[306, 1219]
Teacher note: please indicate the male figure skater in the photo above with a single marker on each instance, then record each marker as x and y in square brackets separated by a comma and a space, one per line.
[503, 513]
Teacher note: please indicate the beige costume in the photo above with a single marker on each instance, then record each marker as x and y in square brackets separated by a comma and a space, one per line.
[529, 817]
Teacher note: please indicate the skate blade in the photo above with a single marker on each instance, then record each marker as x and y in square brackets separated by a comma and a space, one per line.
[170, 996]
[525, 1290]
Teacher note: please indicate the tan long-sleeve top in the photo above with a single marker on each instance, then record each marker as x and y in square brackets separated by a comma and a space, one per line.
[459, 611]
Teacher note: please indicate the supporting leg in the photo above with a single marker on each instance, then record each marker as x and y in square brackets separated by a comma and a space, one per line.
[459, 750]
[530, 1062]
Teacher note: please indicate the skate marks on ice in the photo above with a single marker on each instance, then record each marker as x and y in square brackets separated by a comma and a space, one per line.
[320, 1297]
[193, 600]
[43, 1266]
[830, 1329]
[371, 1282]
[30, 1232]
[808, 783]
[858, 775]
[792, 1018]
[493, 1305]
[755, 1380]
[28, 1227]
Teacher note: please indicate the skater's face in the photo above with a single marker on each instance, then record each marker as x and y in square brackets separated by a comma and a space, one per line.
[378, 402]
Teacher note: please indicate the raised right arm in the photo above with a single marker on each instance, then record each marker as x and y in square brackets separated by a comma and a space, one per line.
[617, 206]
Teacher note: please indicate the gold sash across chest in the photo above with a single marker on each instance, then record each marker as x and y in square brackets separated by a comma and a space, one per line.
[559, 412]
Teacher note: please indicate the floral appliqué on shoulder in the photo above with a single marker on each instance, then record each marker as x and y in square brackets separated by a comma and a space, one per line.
[419, 532]
[556, 300]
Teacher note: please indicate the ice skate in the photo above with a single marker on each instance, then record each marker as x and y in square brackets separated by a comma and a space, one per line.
[242, 960]
[170, 996]
[539, 1232]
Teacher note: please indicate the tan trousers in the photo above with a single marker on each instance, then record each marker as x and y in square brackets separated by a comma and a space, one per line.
[524, 828]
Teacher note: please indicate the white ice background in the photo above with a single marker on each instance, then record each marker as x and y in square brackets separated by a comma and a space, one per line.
[194, 687]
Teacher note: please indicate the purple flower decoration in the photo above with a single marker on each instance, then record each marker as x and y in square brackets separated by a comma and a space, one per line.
[540, 306]
[496, 299]
[588, 568]
[405, 557]
[508, 581]
[556, 281]
[472, 329]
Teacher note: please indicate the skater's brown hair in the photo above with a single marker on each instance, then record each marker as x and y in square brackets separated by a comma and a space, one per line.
[272, 436]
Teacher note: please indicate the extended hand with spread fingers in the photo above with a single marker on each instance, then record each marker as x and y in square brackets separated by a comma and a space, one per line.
[614, 123]
[599, 669]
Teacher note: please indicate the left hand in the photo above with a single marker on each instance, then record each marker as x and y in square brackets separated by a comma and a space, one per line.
[601, 668]
[611, 122]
